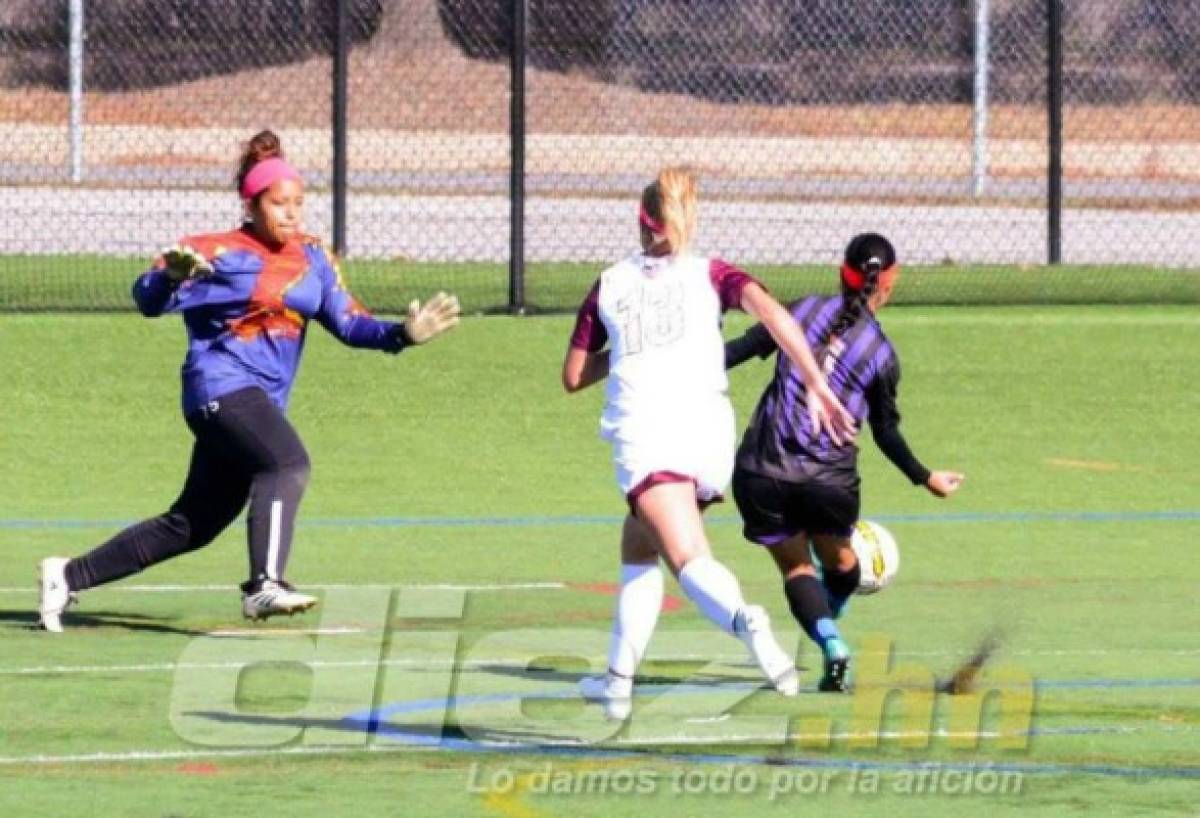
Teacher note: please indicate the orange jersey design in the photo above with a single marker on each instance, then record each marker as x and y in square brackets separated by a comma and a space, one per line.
[266, 314]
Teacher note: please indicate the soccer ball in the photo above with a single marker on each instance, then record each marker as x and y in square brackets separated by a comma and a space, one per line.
[878, 556]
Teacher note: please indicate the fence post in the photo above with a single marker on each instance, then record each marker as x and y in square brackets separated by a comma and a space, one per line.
[341, 46]
[979, 120]
[75, 58]
[516, 250]
[1054, 98]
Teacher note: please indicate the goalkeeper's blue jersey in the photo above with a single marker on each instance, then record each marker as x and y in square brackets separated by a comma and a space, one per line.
[246, 322]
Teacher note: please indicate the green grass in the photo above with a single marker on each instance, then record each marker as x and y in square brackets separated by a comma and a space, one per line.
[464, 463]
[101, 284]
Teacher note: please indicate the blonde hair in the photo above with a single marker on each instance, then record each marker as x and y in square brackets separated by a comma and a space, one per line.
[671, 200]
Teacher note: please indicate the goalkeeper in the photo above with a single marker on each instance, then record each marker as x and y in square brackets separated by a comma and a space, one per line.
[796, 490]
[246, 298]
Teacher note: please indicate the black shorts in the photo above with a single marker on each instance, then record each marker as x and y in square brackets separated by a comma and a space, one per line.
[775, 510]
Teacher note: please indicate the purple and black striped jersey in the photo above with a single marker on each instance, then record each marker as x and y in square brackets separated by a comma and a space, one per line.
[864, 372]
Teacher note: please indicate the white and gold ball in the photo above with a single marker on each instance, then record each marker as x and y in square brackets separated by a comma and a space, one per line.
[878, 556]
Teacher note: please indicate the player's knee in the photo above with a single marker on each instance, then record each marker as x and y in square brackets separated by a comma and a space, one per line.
[295, 473]
[292, 480]
[835, 555]
[200, 528]
[171, 534]
[291, 467]
[845, 560]
[177, 522]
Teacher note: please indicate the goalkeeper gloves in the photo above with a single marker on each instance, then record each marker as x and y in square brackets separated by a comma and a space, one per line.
[182, 262]
[425, 323]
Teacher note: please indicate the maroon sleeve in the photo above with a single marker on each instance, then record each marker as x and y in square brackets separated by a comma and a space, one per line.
[590, 333]
[729, 282]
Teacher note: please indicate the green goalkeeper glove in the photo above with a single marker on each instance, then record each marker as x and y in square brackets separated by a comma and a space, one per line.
[425, 323]
[184, 262]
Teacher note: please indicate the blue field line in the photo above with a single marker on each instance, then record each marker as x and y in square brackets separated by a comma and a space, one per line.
[376, 721]
[550, 521]
[424, 705]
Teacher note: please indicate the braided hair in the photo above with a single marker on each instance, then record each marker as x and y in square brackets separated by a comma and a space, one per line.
[867, 255]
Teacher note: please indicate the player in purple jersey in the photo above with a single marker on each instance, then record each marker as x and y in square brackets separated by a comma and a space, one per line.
[798, 492]
[246, 297]
[650, 328]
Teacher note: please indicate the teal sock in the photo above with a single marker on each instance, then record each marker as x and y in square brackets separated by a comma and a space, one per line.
[806, 598]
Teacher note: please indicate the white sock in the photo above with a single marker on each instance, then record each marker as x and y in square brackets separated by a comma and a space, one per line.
[638, 603]
[714, 589]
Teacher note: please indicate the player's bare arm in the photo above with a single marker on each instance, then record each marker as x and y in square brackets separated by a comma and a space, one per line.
[581, 368]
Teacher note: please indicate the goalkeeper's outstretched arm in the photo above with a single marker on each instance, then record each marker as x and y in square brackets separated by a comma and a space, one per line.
[352, 324]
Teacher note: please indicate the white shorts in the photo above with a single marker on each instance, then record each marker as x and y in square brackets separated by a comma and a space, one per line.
[698, 445]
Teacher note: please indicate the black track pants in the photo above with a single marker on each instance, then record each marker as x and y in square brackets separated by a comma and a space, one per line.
[245, 449]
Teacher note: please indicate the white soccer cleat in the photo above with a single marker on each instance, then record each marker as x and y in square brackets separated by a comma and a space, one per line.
[54, 596]
[274, 598]
[614, 692]
[753, 626]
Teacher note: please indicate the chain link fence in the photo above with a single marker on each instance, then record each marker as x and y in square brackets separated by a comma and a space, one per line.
[807, 121]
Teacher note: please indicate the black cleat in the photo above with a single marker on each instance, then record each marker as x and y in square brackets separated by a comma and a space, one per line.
[836, 678]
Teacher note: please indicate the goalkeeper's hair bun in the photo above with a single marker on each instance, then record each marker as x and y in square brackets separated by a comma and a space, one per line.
[263, 145]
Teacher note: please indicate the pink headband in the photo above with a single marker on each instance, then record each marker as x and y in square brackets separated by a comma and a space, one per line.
[649, 222]
[266, 173]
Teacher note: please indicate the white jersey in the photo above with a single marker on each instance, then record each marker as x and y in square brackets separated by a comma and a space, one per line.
[666, 353]
[666, 408]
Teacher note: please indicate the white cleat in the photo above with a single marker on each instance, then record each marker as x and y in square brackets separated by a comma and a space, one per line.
[753, 626]
[614, 692]
[274, 598]
[53, 594]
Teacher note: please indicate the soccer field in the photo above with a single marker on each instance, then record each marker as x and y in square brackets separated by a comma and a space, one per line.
[461, 527]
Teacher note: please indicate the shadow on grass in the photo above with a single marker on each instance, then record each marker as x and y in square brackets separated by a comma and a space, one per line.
[551, 674]
[370, 729]
[28, 620]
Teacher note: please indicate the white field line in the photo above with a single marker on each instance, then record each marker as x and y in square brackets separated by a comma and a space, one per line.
[430, 664]
[163, 589]
[517, 663]
[237, 633]
[845, 735]
[388, 747]
[186, 755]
[744, 738]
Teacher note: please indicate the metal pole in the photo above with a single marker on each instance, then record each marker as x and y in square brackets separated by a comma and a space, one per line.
[75, 57]
[1055, 111]
[979, 121]
[516, 250]
[341, 48]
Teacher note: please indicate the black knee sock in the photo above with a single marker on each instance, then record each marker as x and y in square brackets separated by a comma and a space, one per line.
[274, 500]
[807, 600]
[133, 550]
[841, 584]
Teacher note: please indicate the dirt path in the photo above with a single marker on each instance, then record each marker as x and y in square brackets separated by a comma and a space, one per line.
[411, 78]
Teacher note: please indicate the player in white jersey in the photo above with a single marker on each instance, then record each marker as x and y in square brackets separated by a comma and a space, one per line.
[672, 428]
